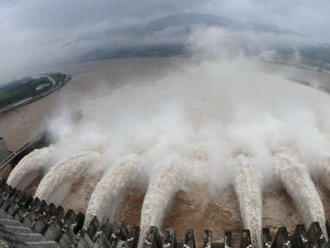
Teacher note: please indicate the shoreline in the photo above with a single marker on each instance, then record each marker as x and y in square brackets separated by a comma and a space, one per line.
[26, 101]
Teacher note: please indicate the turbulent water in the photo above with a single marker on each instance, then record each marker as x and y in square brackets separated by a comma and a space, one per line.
[161, 190]
[324, 173]
[294, 176]
[58, 181]
[112, 188]
[31, 167]
[248, 190]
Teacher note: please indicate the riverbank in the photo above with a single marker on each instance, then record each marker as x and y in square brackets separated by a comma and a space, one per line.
[25, 91]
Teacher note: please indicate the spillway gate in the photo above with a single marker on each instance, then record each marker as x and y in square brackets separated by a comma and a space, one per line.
[29, 222]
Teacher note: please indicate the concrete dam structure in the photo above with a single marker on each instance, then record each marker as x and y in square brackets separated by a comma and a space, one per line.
[30, 222]
[42, 221]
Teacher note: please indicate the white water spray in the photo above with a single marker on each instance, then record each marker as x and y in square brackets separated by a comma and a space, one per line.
[159, 196]
[31, 167]
[58, 181]
[295, 177]
[324, 173]
[112, 188]
[248, 191]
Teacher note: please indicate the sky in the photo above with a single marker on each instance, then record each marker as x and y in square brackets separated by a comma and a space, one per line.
[35, 33]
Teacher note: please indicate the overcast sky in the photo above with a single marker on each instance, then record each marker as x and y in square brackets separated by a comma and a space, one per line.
[34, 32]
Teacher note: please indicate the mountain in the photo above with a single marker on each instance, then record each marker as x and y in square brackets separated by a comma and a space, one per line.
[167, 36]
[192, 19]
[186, 20]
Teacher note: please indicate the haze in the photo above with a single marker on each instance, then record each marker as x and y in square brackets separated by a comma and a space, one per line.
[38, 35]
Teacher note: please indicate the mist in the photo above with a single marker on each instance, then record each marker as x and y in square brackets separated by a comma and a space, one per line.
[220, 107]
[210, 109]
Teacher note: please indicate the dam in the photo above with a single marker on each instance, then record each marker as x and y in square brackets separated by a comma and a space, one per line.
[45, 224]
[178, 168]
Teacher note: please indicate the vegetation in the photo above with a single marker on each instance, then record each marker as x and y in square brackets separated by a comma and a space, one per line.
[26, 88]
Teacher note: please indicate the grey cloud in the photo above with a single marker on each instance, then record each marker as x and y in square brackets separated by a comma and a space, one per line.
[37, 34]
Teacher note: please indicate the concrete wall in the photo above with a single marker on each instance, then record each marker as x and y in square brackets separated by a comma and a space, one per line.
[3, 149]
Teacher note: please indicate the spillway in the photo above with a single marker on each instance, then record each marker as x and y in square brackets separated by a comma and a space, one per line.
[247, 185]
[295, 178]
[324, 173]
[31, 167]
[112, 188]
[160, 193]
[58, 181]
